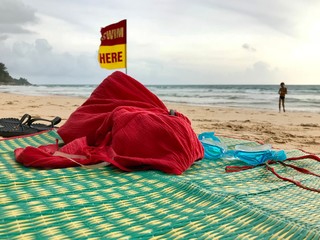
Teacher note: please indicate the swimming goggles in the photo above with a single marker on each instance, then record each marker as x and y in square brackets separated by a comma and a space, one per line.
[257, 155]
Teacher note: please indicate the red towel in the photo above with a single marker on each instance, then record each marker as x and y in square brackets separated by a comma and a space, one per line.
[122, 123]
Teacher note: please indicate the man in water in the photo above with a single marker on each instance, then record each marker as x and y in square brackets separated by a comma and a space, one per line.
[282, 92]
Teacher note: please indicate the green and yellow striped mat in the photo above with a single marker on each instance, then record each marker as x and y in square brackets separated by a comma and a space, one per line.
[106, 203]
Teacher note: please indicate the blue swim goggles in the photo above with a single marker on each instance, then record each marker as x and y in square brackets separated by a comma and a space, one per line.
[253, 156]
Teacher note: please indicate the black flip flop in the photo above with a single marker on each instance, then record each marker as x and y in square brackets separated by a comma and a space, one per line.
[23, 120]
[11, 127]
[40, 126]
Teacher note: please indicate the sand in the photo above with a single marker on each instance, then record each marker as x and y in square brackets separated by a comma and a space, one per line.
[289, 130]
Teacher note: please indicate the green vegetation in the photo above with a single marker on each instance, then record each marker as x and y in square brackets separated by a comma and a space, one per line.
[6, 79]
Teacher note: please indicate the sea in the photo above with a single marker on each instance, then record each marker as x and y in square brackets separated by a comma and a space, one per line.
[299, 98]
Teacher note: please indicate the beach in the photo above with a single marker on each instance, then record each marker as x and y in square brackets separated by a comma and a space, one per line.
[206, 201]
[289, 130]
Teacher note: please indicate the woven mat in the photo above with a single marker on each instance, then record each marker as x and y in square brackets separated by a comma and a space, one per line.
[106, 203]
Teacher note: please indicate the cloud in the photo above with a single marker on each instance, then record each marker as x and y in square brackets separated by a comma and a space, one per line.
[40, 64]
[3, 37]
[261, 72]
[206, 41]
[277, 15]
[14, 15]
[248, 47]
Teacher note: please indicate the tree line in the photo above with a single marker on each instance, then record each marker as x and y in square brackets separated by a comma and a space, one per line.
[6, 79]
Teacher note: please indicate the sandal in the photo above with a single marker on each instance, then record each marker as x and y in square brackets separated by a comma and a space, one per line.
[41, 126]
[11, 127]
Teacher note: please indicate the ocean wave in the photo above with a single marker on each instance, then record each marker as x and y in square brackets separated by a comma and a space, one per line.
[299, 98]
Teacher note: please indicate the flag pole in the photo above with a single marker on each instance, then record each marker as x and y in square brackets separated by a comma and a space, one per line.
[126, 58]
[126, 46]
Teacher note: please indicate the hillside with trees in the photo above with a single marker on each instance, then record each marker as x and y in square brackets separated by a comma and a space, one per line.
[6, 79]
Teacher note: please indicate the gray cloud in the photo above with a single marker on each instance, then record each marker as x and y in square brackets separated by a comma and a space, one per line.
[261, 72]
[248, 47]
[199, 43]
[3, 37]
[258, 73]
[276, 15]
[14, 15]
[39, 63]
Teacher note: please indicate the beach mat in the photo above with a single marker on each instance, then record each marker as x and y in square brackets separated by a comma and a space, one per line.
[203, 203]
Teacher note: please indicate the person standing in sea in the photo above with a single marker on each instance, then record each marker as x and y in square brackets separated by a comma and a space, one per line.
[282, 93]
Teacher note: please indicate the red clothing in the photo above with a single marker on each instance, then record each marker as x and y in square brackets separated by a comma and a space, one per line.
[122, 123]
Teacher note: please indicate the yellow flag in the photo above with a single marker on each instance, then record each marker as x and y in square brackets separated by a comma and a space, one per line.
[112, 51]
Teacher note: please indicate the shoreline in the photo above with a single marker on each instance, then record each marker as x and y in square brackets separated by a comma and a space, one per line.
[289, 130]
[301, 98]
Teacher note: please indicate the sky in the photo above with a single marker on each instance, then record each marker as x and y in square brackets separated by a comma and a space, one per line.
[168, 41]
